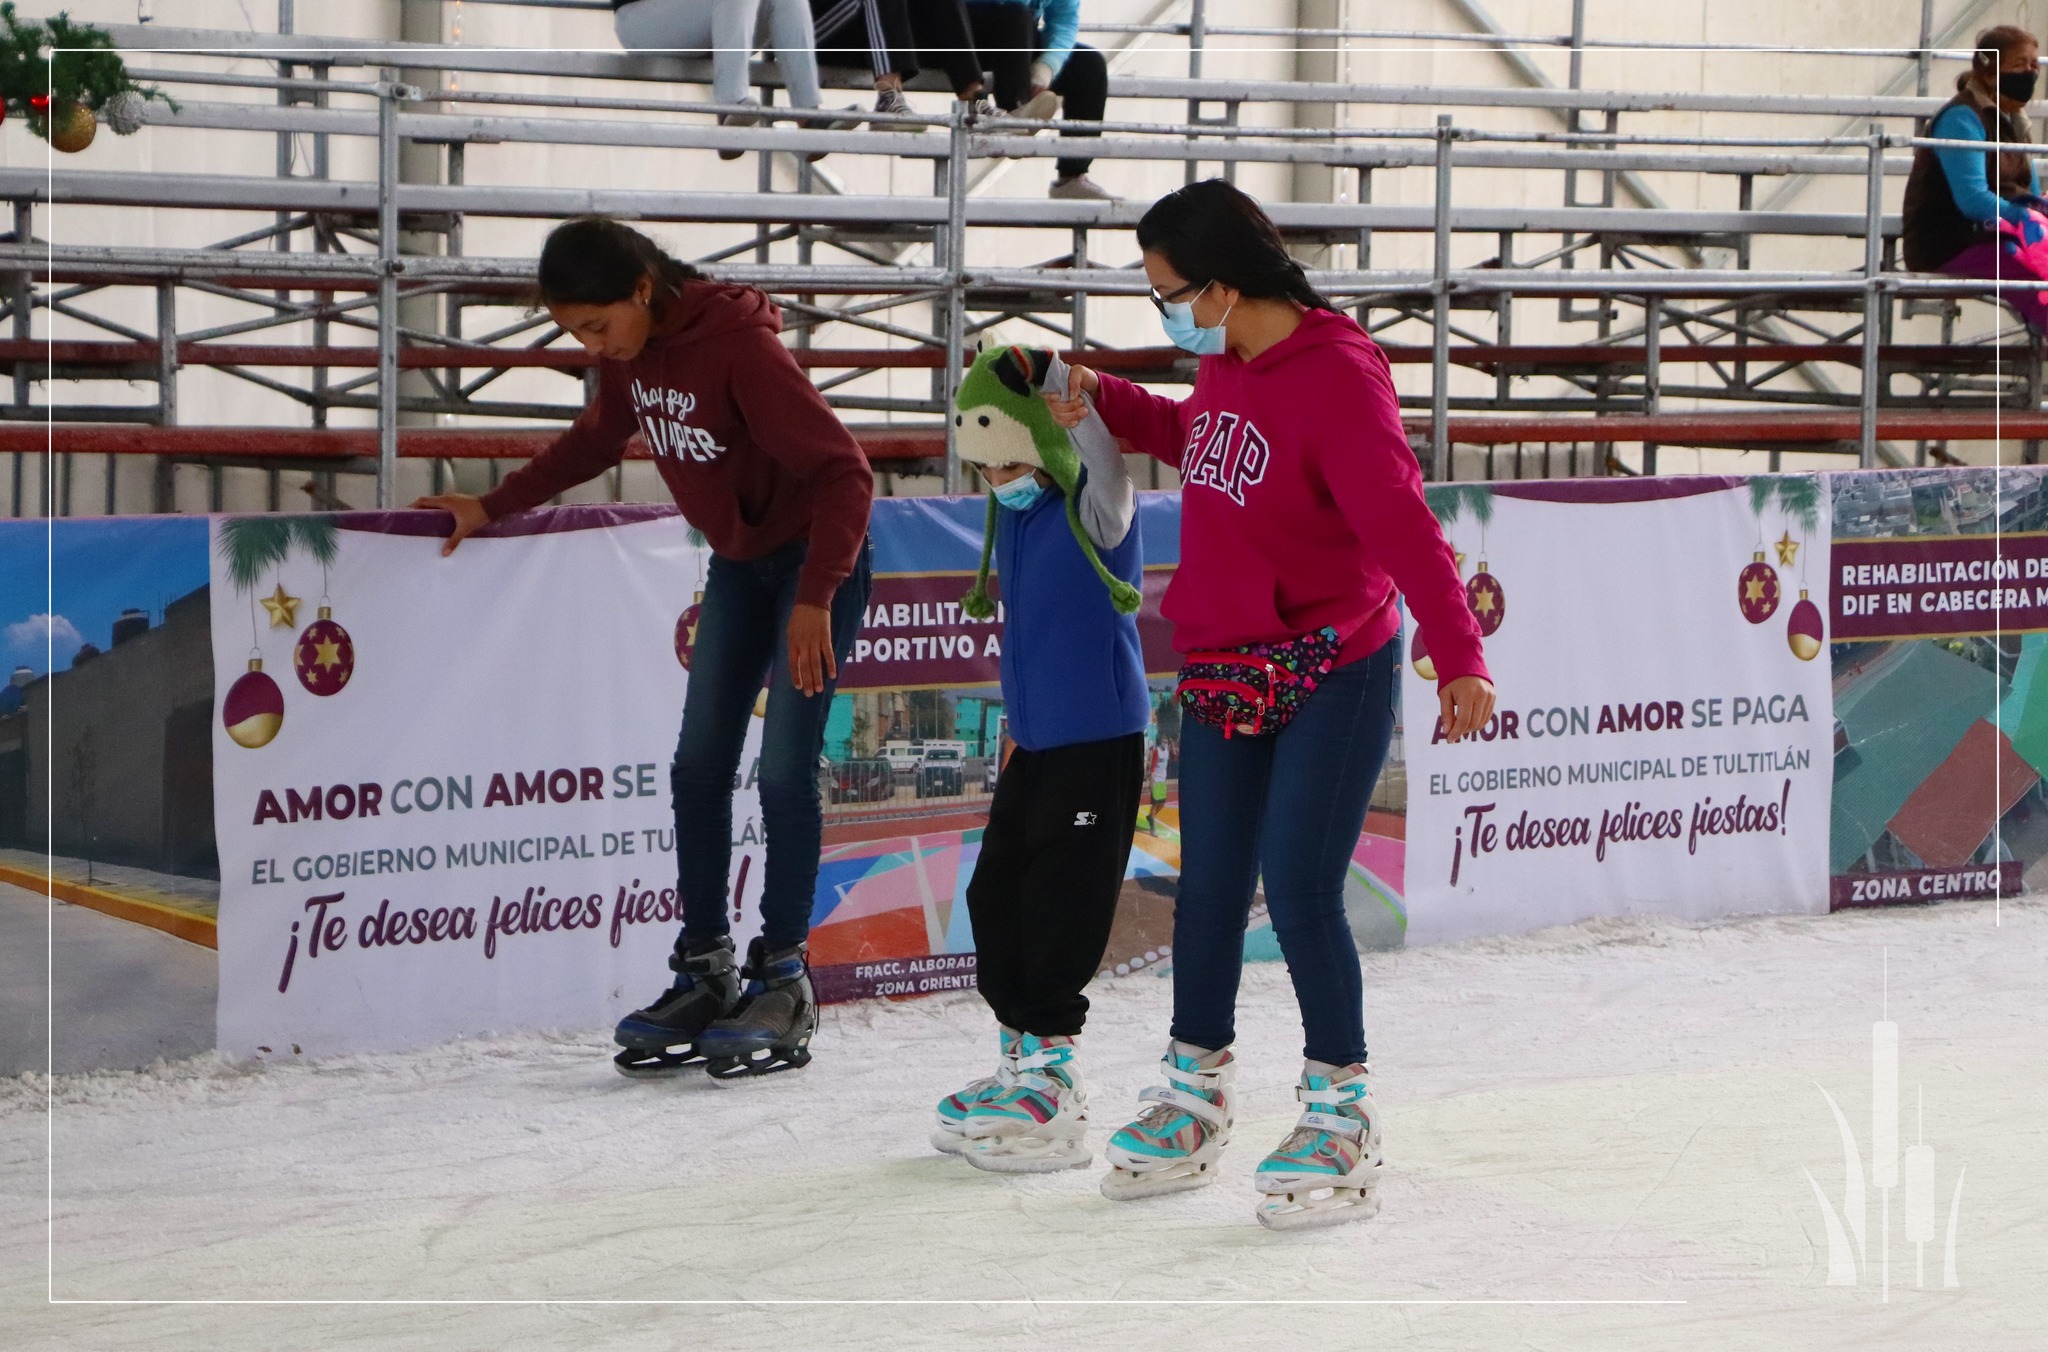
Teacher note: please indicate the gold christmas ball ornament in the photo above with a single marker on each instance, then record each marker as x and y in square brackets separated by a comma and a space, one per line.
[72, 127]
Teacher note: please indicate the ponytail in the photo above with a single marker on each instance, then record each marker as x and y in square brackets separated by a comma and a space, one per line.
[1212, 232]
[594, 260]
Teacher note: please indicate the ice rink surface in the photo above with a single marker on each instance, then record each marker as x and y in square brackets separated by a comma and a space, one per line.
[1613, 1112]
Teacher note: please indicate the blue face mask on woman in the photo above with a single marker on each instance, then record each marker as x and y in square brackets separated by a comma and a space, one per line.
[1021, 494]
[1178, 318]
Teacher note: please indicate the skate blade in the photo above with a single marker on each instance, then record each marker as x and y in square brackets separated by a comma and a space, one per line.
[767, 1061]
[1120, 1185]
[640, 1064]
[1010, 1160]
[1319, 1208]
[948, 1142]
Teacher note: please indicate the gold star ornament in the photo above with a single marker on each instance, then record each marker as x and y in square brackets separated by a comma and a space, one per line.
[1787, 547]
[284, 609]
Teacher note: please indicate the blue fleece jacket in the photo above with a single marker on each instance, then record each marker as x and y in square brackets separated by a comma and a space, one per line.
[1072, 667]
[1973, 192]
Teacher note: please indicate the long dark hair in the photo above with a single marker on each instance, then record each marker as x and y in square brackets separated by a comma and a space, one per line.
[1211, 232]
[1992, 47]
[594, 260]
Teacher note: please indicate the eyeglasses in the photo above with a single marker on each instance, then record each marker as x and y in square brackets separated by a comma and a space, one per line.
[1174, 297]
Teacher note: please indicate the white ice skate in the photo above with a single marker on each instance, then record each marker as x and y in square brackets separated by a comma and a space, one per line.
[1036, 1122]
[948, 1136]
[1175, 1144]
[1327, 1171]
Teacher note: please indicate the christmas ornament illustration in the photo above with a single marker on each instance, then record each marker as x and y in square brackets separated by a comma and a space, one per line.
[283, 608]
[1418, 657]
[1483, 591]
[686, 630]
[254, 708]
[325, 656]
[1756, 590]
[1488, 600]
[1805, 633]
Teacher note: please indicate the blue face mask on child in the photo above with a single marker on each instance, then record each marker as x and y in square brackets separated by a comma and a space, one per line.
[1178, 318]
[1021, 494]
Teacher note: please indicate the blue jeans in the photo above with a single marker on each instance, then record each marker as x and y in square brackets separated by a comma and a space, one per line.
[742, 643]
[1290, 806]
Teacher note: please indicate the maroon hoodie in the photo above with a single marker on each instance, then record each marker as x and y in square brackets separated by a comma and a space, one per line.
[749, 449]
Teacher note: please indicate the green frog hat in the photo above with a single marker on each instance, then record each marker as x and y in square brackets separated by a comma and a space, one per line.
[999, 418]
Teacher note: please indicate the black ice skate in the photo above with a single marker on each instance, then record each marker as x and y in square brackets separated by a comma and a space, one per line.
[663, 1038]
[770, 1029]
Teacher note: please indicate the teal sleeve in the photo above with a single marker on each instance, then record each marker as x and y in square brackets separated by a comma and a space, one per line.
[1965, 169]
[1062, 20]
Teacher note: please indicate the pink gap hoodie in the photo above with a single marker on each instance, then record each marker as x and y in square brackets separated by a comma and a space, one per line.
[1301, 504]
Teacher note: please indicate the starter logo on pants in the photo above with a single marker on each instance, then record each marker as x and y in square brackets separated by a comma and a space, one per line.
[1084, 819]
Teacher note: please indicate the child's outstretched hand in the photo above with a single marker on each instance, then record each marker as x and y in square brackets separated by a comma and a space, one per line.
[1072, 410]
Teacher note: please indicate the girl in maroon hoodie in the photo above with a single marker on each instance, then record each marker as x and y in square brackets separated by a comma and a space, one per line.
[1301, 516]
[760, 464]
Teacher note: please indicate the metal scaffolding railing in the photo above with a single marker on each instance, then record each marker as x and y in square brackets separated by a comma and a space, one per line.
[1755, 333]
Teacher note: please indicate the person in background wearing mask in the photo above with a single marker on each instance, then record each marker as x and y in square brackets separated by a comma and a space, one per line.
[1301, 516]
[1044, 892]
[1041, 67]
[1955, 198]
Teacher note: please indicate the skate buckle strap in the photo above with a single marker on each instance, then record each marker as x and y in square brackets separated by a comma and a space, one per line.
[1043, 1058]
[1335, 1123]
[1328, 1094]
[1192, 1104]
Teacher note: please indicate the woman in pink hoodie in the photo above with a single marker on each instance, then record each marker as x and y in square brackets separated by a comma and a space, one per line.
[1301, 516]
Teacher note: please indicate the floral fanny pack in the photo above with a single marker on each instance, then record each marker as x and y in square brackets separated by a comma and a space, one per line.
[1259, 687]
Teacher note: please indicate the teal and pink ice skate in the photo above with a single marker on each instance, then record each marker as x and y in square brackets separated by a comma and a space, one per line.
[1035, 1120]
[1327, 1170]
[1175, 1143]
[949, 1135]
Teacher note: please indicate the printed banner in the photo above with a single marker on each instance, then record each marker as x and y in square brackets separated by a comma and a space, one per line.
[1662, 740]
[1941, 712]
[441, 785]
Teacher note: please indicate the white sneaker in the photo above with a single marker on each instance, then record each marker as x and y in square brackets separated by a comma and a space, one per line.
[1040, 107]
[1081, 188]
[756, 118]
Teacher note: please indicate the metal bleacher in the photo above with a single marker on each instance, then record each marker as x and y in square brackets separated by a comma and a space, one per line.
[355, 296]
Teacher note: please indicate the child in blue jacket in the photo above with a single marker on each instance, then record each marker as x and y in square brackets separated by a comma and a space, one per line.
[1044, 893]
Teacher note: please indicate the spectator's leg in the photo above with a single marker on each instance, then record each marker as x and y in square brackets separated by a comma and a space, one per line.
[664, 25]
[945, 40]
[796, 50]
[732, 39]
[1988, 261]
[1083, 87]
[1007, 38]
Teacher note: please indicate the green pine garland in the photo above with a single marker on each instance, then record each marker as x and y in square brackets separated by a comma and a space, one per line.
[74, 64]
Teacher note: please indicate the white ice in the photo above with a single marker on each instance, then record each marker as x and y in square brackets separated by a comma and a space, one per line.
[1621, 1111]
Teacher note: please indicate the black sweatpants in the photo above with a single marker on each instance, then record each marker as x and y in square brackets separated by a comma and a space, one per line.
[899, 37]
[1044, 892]
[1010, 39]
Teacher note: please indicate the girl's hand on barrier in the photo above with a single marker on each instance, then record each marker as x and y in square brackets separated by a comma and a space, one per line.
[811, 662]
[467, 510]
[1466, 705]
[1073, 409]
